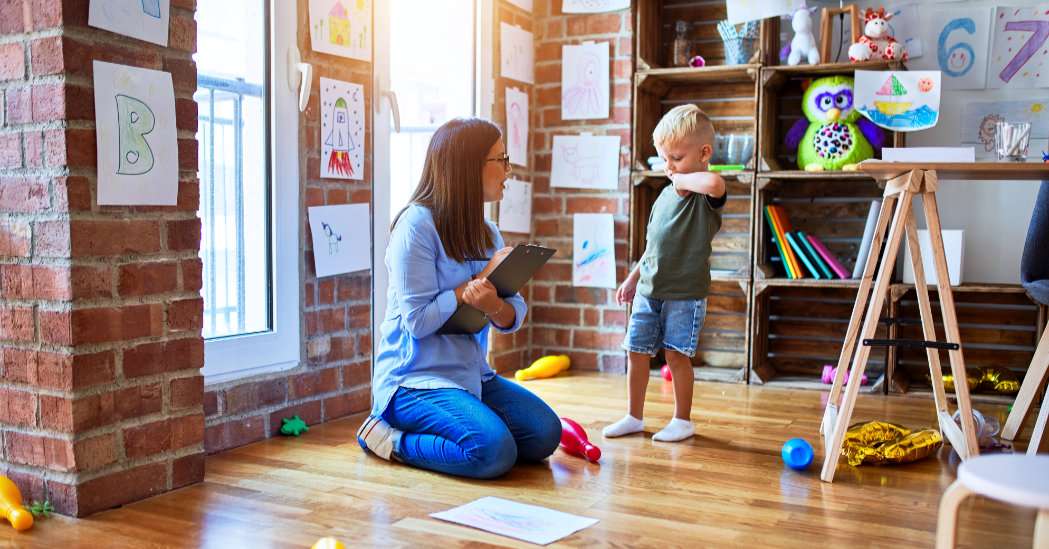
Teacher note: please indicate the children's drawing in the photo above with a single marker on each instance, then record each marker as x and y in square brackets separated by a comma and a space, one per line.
[142, 19]
[979, 118]
[957, 38]
[530, 523]
[515, 209]
[1018, 49]
[342, 129]
[333, 238]
[584, 81]
[902, 101]
[135, 134]
[741, 11]
[516, 53]
[342, 27]
[341, 238]
[593, 6]
[593, 251]
[585, 161]
[517, 126]
[523, 4]
[134, 121]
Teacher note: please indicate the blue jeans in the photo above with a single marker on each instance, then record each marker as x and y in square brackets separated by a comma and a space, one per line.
[664, 324]
[451, 431]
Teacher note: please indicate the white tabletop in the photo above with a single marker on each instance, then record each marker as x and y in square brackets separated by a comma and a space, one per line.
[1018, 479]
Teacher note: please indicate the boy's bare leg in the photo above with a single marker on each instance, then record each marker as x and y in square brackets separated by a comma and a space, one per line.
[637, 384]
[679, 428]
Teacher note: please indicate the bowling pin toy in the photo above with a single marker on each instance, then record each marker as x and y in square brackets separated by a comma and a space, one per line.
[575, 442]
[548, 366]
[11, 506]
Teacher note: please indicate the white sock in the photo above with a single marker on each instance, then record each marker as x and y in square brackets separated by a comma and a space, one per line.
[677, 429]
[628, 425]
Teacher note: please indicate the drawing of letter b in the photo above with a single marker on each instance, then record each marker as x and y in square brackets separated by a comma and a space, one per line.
[134, 121]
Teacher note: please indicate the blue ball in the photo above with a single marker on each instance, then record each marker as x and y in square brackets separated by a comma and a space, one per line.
[797, 454]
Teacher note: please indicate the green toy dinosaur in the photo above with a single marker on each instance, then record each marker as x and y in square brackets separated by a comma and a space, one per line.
[293, 426]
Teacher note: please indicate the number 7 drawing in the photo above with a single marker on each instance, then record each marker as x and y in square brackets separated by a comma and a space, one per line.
[1040, 30]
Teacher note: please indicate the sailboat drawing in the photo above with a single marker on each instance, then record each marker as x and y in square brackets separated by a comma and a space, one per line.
[894, 93]
[901, 103]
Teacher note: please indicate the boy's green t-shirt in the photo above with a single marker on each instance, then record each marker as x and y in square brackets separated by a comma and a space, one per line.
[676, 262]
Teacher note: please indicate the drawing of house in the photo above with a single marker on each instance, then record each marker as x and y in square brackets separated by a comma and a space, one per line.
[338, 25]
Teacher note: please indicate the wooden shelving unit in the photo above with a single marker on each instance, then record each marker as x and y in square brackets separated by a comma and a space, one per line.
[761, 327]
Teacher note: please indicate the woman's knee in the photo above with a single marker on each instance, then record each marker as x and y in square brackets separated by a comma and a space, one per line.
[493, 456]
[544, 439]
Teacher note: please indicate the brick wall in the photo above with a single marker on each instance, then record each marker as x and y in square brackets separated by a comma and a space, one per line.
[510, 352]
[335, 379]
[584, 323]
[100, 311]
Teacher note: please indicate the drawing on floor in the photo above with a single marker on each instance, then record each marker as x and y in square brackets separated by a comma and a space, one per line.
[342, 129]
[341, 238]
[584, 81]
[136, 136]
[342, 27]
[146, 20]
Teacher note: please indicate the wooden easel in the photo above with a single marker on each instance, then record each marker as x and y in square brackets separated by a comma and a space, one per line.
[1037, 375]
[902, 182]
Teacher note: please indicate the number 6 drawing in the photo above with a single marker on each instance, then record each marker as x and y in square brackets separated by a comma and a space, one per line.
[1040, 30]
[945, 56]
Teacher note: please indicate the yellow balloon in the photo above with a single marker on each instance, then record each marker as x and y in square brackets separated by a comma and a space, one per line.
[328, 543]
[548, 366]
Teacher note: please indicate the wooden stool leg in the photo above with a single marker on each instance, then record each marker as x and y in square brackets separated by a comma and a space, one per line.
[1041, 530]
[1039, 442]
[950, 327]
[947, 523]
[1033, 380]
[862, 296]
[870, 325]
[928, 321]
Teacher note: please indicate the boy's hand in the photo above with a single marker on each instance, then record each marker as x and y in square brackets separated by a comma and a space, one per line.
[497, 258]
[626, 290]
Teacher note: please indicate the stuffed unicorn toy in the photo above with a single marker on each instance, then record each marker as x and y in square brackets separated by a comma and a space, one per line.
[876, 42]
[803, 44]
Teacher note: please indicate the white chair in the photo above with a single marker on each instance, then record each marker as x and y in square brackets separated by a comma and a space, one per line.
[1011, 478]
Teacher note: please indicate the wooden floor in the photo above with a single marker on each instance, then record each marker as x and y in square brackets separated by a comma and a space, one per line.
[725, 487]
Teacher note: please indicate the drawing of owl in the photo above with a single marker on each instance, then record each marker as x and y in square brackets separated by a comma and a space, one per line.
[833, 135]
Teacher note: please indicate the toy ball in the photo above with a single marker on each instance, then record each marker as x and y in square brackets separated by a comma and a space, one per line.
[328, 543]
[665, 371]
[697, 61]
[797, 454]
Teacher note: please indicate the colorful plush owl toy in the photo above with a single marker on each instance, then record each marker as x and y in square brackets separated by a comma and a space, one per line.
[833, 135]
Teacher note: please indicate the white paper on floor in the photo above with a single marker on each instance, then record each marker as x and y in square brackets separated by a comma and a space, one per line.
[530, 523]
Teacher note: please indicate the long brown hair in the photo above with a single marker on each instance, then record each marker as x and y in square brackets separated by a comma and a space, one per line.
[451, 185]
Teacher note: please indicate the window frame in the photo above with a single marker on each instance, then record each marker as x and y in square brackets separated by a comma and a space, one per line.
[280, 348]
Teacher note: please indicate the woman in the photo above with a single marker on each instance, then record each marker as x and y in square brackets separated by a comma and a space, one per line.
[436, 403]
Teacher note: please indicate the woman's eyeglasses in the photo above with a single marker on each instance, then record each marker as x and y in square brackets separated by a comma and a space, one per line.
[505, 159]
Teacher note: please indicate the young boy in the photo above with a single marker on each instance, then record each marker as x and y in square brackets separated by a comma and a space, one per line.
[673, 277]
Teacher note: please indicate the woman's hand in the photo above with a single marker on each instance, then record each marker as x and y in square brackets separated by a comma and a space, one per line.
[481, 295]
[497, 258]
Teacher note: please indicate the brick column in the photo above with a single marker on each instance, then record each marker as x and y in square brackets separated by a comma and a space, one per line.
[100, 308]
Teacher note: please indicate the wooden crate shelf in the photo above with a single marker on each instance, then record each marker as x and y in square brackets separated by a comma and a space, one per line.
[834, 209]
[999, 327]
[654, 32]
[781, 89]
[797, 330]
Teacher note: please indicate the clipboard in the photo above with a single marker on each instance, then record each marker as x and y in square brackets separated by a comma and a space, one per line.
[508, 278]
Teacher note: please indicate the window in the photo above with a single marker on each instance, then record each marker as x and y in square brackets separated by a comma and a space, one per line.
[249, 186]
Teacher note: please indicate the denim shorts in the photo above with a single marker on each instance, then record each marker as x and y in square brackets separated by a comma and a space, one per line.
[668, 324]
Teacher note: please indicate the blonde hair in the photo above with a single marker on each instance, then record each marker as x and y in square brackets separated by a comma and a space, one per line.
[682, 122]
